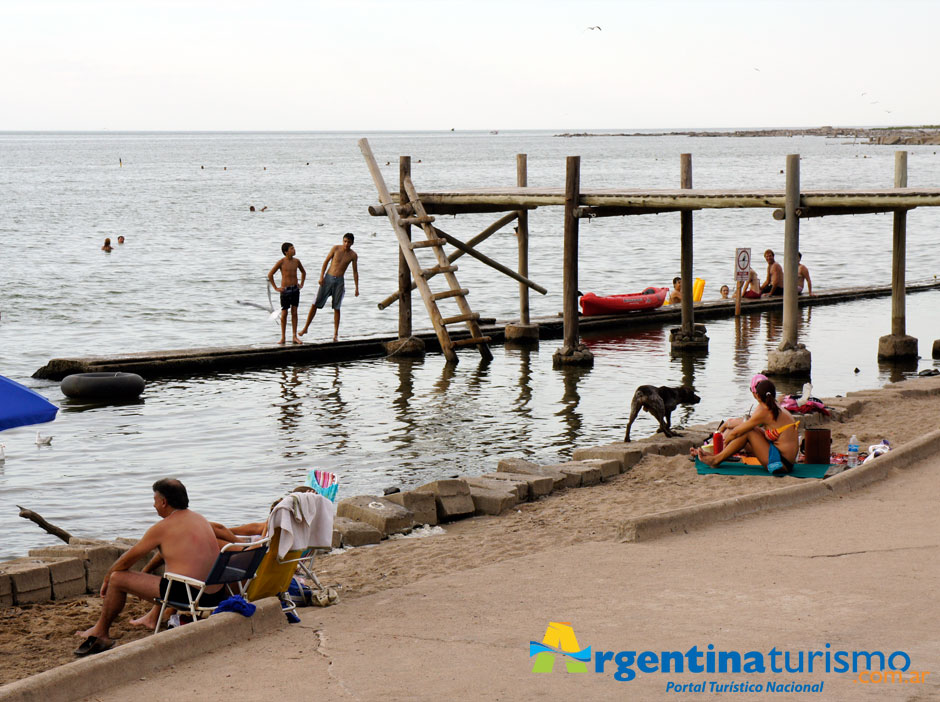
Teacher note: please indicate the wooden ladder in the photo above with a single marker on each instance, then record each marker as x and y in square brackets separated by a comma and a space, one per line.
[421, 274]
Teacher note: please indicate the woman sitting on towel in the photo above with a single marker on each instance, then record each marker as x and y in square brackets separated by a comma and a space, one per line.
[769, 434]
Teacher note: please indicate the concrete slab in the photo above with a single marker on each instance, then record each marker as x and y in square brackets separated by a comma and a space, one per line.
[528, 468]
[452, 498]
[421, 505]
[385, 515]
[30, 580]
[492, 501]
[518, 489]
[353, 533]
[539, 485]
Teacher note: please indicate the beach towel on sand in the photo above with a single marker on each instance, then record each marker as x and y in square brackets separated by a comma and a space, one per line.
[800, 470]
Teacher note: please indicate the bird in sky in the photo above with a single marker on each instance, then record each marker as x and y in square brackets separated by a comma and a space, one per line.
[595, 27]
[757, 69]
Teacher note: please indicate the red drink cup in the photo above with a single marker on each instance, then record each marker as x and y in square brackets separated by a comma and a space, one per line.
[718, 441]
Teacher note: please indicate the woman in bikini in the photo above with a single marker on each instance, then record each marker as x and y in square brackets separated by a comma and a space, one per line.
[769, 434]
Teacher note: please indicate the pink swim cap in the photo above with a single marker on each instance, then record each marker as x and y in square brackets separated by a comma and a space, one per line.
[755, 380]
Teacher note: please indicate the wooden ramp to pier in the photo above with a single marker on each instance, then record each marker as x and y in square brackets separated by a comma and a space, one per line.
[422, 274]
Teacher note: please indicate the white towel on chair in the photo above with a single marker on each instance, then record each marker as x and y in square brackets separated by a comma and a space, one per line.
[305, 520]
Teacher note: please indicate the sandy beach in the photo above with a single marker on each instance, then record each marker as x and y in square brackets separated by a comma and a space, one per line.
[40, 637]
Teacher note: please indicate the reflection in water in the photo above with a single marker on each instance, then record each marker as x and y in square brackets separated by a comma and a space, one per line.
[523, 400]
[336, 411]
[897, 370]
[404, 434]
[290, 409]
[447, 375]
[690, 363]
[571, 377]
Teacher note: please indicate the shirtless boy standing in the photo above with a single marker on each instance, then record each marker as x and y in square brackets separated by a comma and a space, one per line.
[289, 288]
[332, 283]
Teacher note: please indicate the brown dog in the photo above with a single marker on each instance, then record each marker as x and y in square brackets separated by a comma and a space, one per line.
[660, 402]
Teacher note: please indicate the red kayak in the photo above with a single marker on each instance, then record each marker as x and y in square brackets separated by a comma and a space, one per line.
[649, 299]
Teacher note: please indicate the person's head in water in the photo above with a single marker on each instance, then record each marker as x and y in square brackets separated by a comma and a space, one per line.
[172, 492]
[285, 247]
[251, 208]
[348, 239]
[121, 239]
[724, 292]
[107, 244]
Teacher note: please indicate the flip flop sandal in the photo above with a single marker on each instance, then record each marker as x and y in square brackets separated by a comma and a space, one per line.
[93, 645]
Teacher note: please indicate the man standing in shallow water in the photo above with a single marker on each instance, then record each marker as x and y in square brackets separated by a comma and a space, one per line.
[289, 288]
[187, 543]
[332, 283]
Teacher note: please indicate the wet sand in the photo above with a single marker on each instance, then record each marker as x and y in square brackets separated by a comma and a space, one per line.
[39, 637]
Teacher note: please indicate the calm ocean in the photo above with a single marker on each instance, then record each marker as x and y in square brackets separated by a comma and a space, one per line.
[239, 440]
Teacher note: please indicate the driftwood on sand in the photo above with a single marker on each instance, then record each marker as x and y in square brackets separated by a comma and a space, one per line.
[50, 528]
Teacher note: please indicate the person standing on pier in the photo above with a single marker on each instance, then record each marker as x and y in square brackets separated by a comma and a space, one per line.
[289, 288]
[332, 283]
[773, 286]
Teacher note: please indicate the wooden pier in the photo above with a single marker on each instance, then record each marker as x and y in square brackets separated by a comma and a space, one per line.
[205, 361]
[789, 205]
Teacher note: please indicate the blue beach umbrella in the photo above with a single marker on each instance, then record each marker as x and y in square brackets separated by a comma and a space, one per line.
[20, 406]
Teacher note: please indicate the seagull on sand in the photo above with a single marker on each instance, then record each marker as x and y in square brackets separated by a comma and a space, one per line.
[43, 440]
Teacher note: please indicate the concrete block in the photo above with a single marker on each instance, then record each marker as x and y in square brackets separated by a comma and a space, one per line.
[452, 498]
[67, 576]
[421, 504]
[97, 556]
[539, 485]
[518, 465]
[491, 501]
[30, 580]
[337, 537]
[384, 515]
[356, 533]
[519, 490]
[586, 474]
[609, 467]
[628, 454]
[6, 590]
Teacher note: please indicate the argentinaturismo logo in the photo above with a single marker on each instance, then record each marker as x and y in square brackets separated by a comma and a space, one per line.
[774, 665]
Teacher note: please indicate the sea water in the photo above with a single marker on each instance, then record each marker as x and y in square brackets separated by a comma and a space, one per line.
[238, 440]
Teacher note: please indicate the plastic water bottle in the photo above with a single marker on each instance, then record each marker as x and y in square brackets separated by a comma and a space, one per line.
[853, 452]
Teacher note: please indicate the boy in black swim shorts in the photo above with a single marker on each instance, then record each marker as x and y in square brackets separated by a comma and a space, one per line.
[289, 288]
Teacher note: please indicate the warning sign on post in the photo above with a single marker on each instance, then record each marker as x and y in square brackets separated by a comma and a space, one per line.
[742, 264]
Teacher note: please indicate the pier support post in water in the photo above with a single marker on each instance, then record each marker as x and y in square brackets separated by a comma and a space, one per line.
[405, 344]
[572, 351]
[524, 333]
[690, 336]
[898, 344]
[790, 357]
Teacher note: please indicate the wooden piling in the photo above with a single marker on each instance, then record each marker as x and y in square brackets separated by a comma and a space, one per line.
[685, 182]
[404, 275]
[899, 253]
[791, 247]
[570, 264]
[522, 234]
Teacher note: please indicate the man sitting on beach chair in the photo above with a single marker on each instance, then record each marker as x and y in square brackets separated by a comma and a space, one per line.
[188, 545]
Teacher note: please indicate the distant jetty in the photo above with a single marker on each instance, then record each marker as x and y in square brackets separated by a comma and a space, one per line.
[888, 136]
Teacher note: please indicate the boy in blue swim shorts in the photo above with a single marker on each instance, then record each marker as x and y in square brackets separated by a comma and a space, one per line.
[332, 283]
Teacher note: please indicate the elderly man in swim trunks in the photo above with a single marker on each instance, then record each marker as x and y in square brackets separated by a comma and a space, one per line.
[188, 546]
[332, 283]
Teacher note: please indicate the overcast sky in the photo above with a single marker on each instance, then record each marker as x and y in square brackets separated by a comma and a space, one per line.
[481, 64]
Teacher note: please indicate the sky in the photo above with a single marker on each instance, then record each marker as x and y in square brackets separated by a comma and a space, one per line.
[484, 64]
